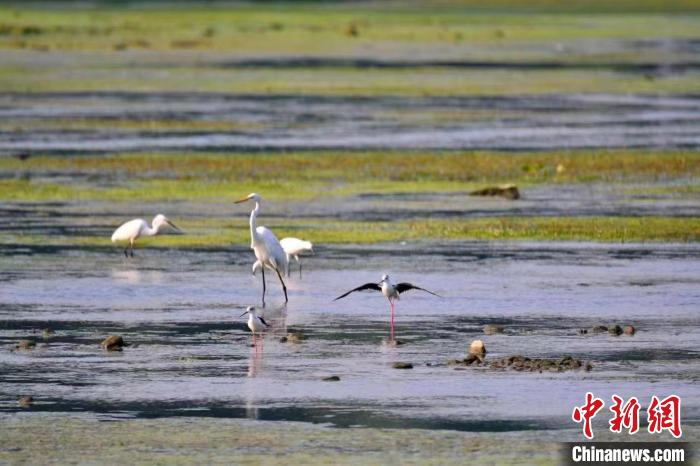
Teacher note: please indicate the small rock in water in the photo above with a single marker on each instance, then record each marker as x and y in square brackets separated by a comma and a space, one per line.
[332, 378]
[25, 401]
[113, 343]
[394, 343]
[468, 361]
[293, 337]
[508, 191]
[599, 329]
[615, 330]
[402, 365]
[629, 330]
[25, 344]
[477, 348]
[493, 329]
[523, 364]
[48, 333]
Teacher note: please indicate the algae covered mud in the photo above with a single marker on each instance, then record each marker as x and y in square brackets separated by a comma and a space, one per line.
[366, 128]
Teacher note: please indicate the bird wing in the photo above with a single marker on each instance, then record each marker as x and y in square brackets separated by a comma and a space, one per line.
[128, 230]
[401, 287]
[274, 249]
[366, 286]
[294, 246]
[263, 321]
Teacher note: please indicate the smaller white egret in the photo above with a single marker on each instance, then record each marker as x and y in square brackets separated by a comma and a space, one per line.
[133, 229]
[390, 291]
[292, 247]
[256, 323]
[267, 248]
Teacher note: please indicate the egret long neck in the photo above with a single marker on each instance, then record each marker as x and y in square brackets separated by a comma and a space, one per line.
[253, 222]
[152, 231]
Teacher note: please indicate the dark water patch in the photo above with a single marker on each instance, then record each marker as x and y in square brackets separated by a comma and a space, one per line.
[367, 63]
[342, 416]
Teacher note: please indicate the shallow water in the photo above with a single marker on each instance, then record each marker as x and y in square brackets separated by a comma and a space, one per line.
[329, 122]
[190, 353]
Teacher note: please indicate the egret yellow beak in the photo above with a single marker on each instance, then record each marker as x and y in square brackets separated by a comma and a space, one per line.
[242, 200]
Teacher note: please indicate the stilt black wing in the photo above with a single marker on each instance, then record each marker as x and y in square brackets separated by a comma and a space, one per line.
[401, 287]
[366, 286]
[263, 321]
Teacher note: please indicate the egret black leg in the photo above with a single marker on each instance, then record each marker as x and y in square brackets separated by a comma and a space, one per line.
[126, 253]
[284, 287]
[299, 270]
[263, 275]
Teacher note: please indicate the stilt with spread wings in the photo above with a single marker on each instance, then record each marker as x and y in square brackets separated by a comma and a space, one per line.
[390, 291]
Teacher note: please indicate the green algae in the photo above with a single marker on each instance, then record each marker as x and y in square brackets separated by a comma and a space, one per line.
[61, 439]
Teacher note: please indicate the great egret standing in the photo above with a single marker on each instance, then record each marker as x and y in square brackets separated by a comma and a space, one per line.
[267, 248]
[256, 323]
[390, 291]
[292, 247]
[133, 229]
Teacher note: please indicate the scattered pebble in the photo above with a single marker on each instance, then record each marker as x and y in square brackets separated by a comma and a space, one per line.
[25, 344]
[394, 343]
[293, 337]
[113, 343]
[402, 365]
[509, 191]
[493, 329]
[332, 378]
[26, 401]
[615, 330]
[469, 360]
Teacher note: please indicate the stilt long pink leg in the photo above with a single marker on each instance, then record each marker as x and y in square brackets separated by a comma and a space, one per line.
[391, 337]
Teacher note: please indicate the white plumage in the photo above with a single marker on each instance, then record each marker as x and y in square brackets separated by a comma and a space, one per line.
[130, 231]
[267, 248]
[293, 247]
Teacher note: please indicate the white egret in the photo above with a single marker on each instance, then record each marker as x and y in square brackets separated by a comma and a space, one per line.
[267, 248]
[256, 323]
[133, 229]
[292, 247]
[390, 291]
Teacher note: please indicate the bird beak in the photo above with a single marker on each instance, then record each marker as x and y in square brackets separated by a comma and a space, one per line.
[174, 226]
[242, 200]
[246, 312]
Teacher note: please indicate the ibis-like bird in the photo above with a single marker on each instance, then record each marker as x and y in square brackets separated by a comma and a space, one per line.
[267, 248]
[390, 291]
[293, 247]
[256, 323]
[133, 229]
